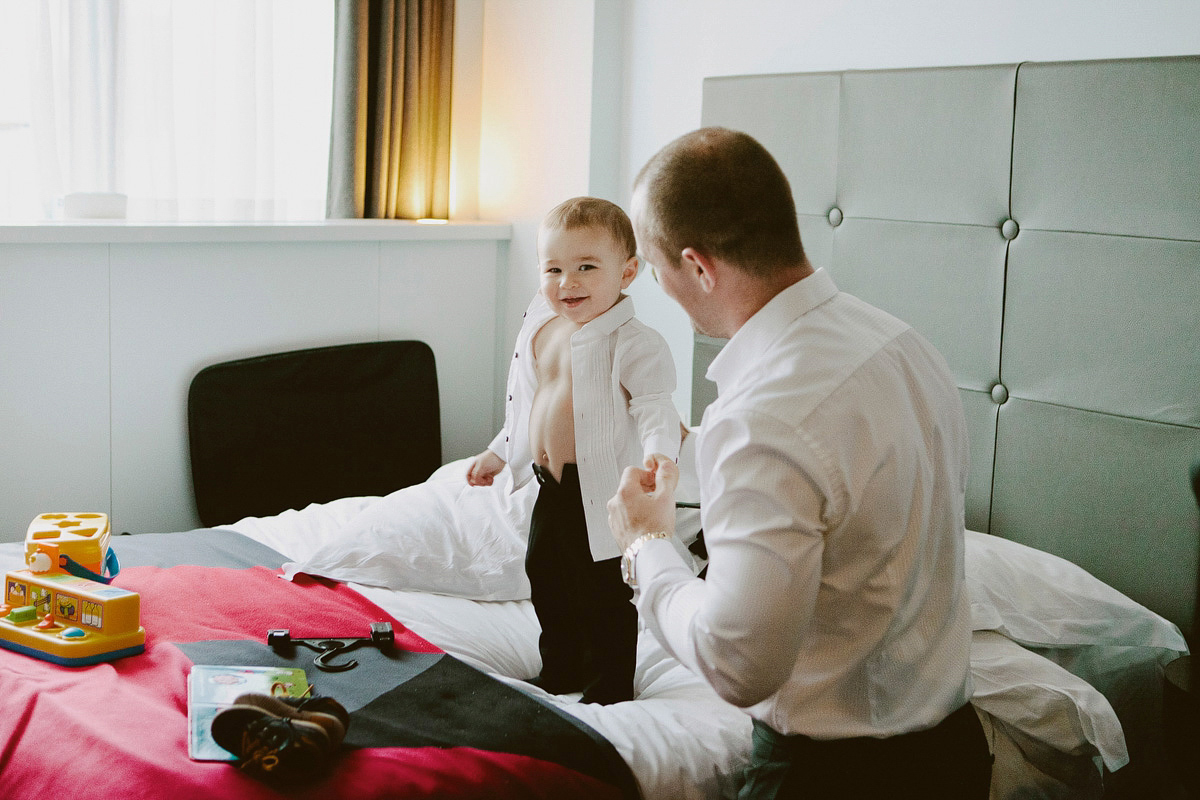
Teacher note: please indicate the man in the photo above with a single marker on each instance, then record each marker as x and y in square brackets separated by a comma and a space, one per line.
[832, 468]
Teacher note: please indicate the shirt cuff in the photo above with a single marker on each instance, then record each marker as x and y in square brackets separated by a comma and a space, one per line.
[656, 557]
[662, 444]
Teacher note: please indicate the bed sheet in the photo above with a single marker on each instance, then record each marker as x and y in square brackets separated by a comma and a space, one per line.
[1050, 730]
[683, 741]
[679, 738]
[425, 723]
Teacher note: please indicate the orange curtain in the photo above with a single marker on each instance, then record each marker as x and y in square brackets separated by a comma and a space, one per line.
[390, 137]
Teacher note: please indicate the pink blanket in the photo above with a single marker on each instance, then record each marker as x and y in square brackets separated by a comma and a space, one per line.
[422, 723]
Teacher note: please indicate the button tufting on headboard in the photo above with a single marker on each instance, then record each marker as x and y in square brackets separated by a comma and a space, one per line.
[1087, 307]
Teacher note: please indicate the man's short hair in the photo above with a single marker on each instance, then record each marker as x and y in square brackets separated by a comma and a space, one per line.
[720, 192]
[592, 212]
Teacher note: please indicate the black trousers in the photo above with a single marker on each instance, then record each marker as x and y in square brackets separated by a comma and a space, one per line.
[589, 626]
[950, 761]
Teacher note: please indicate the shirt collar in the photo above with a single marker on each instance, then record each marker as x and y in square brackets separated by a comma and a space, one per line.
[741, 353]
[609, 321]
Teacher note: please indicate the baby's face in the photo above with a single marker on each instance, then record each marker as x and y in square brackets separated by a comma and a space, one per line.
[582, 272]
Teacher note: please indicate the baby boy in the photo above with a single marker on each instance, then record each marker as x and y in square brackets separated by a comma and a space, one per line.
[589, 393]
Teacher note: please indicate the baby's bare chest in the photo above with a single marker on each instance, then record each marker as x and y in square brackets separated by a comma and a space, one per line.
[552, 354]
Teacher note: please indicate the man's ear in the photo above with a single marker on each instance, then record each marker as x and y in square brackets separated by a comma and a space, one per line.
[703, 267]
[629, 271]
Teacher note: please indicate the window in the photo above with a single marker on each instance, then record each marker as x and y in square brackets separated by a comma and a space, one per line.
[188, 110]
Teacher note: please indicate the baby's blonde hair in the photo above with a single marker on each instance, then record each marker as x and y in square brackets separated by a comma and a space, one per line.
[592, 212]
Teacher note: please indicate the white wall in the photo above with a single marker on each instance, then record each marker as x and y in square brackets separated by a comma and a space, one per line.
[103, 327]
[546, 60]
[535, 127]
[672, 45]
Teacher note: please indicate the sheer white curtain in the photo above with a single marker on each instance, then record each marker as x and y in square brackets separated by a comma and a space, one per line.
[192, 109]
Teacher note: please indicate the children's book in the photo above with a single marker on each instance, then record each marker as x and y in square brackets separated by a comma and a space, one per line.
[212, 688]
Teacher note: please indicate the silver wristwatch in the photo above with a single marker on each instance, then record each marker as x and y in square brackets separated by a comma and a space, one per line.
[627, 571]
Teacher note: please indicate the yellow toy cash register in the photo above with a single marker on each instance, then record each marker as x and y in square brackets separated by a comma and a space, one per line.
[62, 608]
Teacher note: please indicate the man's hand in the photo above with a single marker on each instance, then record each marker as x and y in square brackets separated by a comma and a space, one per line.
[483, 468]
[645, 500]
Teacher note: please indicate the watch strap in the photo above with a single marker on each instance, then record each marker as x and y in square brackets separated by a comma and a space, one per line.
[628, 572]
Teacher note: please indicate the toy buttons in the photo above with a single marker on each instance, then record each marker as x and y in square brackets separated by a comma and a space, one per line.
[62, 608]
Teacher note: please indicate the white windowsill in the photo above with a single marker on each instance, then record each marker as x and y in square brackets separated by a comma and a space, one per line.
[340, 230]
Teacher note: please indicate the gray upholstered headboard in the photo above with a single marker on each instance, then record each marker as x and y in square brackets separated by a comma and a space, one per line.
[1040, 224]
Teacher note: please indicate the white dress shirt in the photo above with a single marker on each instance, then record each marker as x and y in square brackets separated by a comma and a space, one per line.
[622, 378]
[832, 469]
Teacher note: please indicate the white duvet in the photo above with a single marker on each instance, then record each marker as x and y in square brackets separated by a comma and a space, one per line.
[679, 738]
[447, 560]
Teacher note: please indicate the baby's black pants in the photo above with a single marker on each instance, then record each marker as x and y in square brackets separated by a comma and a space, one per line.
[589, 626]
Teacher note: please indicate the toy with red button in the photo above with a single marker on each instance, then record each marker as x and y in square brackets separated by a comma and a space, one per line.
[62, 608]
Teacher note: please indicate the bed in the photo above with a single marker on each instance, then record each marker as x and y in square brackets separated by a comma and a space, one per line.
[450, 714]
[964, 200]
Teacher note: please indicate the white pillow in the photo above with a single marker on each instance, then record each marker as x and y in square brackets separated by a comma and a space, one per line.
[298, 533]
[1044, 701]
[441, 536]
[1039, 599]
